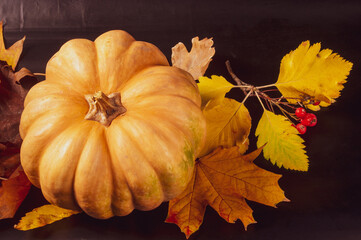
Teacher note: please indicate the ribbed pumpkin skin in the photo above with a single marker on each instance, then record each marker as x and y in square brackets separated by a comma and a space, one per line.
[145, 156]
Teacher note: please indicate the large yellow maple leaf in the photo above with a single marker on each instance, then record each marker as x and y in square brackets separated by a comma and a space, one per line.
[308, 73]
[223, 180]
[11, 55]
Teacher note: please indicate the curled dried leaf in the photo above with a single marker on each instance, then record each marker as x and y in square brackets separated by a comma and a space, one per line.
[197, 60]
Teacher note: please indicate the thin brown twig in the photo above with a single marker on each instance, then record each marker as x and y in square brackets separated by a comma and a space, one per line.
[235, 78]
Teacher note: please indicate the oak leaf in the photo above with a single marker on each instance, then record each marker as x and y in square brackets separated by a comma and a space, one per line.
[42, 216]
[224, 180]
[310, 74]
[214, 88]
[12, 54]
[12, 193]
[228, 125]
[284, 147]
[197, 60]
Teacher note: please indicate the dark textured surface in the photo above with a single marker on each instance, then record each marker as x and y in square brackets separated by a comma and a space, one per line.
[253, 35]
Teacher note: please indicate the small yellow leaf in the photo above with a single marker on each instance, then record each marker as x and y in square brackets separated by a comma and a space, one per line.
[215, 88]
[197, 60]
[284, 146]
[308, 73]
[42, 216]
[224, 179]
[228, 124]
[10, 56]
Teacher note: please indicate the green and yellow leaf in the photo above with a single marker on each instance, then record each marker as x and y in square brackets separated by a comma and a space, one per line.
[310, 74]
[228, 125]
[224, 179]
[284, 147]
[42, 216]
[214, 88]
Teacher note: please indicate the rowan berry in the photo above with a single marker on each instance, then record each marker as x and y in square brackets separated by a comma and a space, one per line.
[300, 112]
[301, 128]
[316, 103]
[309, 120]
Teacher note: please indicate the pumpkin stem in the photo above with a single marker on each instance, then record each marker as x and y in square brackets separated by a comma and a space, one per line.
[104, 109]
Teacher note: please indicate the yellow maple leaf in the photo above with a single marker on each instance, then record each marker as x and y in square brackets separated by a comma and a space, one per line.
[228, 124]
[215, 88]
[197, 60]
[308, 73]
[42, 216]
[11, 55]
[223, 180]
[284, 147]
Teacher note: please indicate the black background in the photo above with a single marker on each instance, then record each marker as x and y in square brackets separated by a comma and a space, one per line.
[254, 36]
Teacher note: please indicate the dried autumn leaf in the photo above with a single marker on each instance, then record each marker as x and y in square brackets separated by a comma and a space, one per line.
[214, 88]
[228, 124]
[13, 88]
[9, 160]
[42, 216]
[197, 60]
[11, 55]
[12, 193]
[284, 147]
[308, 73]
[223, 180]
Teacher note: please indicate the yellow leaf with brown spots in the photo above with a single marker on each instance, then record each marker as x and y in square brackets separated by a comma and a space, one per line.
[309, 74]
[42, 216]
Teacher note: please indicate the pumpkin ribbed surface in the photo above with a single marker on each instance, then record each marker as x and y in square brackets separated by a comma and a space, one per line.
[144, 156]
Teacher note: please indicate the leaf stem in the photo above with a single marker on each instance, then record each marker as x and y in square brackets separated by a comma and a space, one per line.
[266, 86]
[259, 99]
[245, 98]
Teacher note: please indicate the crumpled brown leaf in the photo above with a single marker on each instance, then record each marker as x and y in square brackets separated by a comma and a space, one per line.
[13, 88]
[197, 60]
[9, 160]
[14, 185]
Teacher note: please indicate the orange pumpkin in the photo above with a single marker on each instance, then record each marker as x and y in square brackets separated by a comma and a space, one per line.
[112, 128]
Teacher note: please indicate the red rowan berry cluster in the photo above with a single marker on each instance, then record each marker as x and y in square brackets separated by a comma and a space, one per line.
[306, 120]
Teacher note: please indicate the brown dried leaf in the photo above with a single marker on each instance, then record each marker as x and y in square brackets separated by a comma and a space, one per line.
[197, 60]
[13, 88]
[9, 160]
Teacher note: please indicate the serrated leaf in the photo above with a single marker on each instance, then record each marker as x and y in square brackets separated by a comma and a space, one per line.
[310, 74]
[284, 147]
[11, 55]
[214, 88]
[224, 180]
[228, 124]
[42, 216]
[197, 60]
